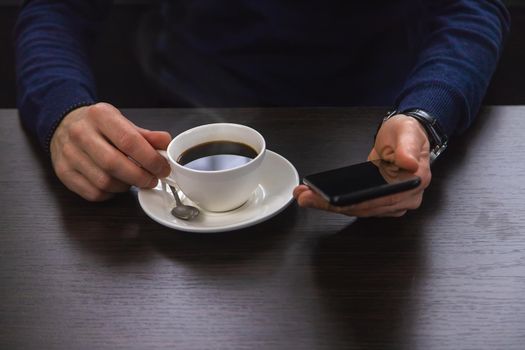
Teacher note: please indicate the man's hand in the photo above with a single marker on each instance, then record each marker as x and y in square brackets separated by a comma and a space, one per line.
[97, 152]
[401, 140]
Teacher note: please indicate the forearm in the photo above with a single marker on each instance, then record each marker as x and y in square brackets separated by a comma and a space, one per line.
[53, 76]
[459, 55]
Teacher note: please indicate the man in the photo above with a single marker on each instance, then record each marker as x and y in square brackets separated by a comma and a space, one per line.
[430, 59]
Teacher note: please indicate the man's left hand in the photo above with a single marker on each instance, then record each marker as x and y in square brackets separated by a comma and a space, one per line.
[401, 140]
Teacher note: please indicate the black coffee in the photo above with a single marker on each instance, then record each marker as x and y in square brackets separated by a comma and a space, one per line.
[217, 155]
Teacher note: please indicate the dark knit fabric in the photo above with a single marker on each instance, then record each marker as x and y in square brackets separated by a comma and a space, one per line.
[438, 55]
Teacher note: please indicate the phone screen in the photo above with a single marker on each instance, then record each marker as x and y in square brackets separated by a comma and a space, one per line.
[359, 182]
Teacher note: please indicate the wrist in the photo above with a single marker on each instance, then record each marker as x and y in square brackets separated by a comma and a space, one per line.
[60, 132]
[65, 113]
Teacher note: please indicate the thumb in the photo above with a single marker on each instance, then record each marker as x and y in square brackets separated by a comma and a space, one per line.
[158, 139]
[408, 150]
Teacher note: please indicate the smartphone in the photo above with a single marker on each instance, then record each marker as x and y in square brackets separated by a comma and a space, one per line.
[359, 182]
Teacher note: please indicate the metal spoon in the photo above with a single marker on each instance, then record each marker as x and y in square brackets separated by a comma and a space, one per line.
[182, 211]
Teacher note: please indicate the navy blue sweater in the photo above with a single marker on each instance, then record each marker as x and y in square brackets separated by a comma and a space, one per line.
[438, 55]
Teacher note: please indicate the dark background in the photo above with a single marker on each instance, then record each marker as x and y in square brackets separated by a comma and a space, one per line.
[120, 81]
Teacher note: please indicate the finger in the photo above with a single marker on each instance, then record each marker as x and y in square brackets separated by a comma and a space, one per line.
[425, 174]
[83, 164]
[158, 139]
[389, 201]
[402, 140]
[407, 152]
[299, 189]
[115, 163]
[395, 214]
[375, 212]
[373, 155]
[395, 209]
[125, 136]
[378, 212]
[411, 145]
[310, 199]
[77, 183]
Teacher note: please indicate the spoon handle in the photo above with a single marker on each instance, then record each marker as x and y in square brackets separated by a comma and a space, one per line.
[175, 195]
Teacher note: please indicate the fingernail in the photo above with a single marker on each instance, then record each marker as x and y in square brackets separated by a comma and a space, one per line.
[154, 181]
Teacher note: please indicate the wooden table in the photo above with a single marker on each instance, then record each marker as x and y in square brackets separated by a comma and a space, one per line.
[451, 275]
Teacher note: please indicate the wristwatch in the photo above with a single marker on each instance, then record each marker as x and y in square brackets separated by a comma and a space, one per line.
[437, 137]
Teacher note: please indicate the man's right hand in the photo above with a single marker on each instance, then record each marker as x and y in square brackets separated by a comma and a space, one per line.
[97, 152]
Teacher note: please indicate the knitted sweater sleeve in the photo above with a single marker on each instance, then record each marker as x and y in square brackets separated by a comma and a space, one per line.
[52, 42]
[459, 55]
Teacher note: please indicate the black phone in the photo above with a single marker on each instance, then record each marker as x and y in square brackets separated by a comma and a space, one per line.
[359, 182]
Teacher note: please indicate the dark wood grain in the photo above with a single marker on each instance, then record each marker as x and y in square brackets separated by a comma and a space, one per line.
[451, 275]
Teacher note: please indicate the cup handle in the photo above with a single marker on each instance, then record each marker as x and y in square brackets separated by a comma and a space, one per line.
[164, 154]
[165, 181]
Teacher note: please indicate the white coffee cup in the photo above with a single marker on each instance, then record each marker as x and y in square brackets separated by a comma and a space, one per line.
[218, 190]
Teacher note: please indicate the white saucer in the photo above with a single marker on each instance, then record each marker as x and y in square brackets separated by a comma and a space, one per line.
[273, 194]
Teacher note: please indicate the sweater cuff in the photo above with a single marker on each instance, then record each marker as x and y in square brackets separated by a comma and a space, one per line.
[58, 102]
[440, 101]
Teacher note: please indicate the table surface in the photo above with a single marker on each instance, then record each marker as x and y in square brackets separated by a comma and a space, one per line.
[450, 275]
